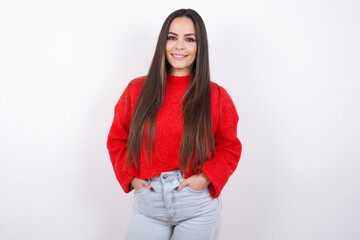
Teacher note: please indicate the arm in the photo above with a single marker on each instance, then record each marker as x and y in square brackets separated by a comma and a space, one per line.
[227, 147]
[117, 141]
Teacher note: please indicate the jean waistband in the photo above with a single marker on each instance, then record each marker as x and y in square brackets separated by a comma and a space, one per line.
[172, 175]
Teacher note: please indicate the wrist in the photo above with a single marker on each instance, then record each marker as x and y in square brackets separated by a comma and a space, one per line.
[133, 181]
[205, 178]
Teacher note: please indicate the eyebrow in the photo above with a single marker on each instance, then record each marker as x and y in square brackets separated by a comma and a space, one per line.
[188, 34]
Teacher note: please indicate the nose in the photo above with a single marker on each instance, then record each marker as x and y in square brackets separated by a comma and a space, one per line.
[179, 45]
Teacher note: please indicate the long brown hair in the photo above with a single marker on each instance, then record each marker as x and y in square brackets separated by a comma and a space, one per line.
[197, 138]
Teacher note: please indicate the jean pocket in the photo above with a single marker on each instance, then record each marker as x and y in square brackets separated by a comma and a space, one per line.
[195, 191]
[140, 190]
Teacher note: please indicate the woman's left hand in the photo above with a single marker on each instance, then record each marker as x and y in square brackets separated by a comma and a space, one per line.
[196, 182]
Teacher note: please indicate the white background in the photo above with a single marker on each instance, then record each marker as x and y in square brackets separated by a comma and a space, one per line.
[292, 69]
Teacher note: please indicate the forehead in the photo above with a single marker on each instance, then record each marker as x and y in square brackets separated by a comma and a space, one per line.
[182, 25]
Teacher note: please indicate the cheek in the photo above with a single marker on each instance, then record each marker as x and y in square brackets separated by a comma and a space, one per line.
[193, 50]
[169, 47]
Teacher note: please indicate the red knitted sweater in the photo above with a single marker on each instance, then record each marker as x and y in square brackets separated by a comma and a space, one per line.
[168, 133]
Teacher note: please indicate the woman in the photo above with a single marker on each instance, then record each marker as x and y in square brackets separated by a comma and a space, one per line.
[174, 138]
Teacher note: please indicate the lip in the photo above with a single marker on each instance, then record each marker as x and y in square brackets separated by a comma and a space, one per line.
[183, 56]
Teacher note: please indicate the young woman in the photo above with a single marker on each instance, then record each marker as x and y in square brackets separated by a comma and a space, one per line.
[174, 138]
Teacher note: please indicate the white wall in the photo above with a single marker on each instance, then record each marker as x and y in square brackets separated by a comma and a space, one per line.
[291, 67]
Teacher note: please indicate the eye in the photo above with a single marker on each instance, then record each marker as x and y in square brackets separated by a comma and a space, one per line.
[190, 40]
[171, 38]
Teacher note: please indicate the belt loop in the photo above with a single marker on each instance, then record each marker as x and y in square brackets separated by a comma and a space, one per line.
[180, 175]
[149, 180]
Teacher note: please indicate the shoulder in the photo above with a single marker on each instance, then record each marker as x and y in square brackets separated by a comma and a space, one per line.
[133, 89]
[219, 91]
[223, 98]
[135, 85]
[215, 89]
[137, 82]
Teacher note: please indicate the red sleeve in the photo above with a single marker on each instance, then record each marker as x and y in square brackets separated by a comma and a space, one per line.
[227, 146]
[117, 141]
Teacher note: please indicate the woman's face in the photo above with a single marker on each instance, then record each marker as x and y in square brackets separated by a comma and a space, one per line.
[181, 46]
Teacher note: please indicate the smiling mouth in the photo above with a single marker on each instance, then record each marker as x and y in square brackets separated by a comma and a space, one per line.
[179, 56]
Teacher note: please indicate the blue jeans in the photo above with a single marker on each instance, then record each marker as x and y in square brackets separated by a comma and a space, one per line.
[185, 214]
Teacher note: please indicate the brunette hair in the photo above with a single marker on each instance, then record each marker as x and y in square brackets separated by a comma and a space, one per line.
[197, 139]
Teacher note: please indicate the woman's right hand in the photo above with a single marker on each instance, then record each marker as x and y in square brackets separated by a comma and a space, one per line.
[138, 184]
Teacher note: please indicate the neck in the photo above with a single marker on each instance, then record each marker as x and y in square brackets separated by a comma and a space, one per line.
[178, 80]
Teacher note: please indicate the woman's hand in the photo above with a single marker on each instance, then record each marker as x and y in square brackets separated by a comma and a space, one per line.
[196, 182]
[138, 184]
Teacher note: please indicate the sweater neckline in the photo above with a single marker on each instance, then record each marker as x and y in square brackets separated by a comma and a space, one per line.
[178, 80]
